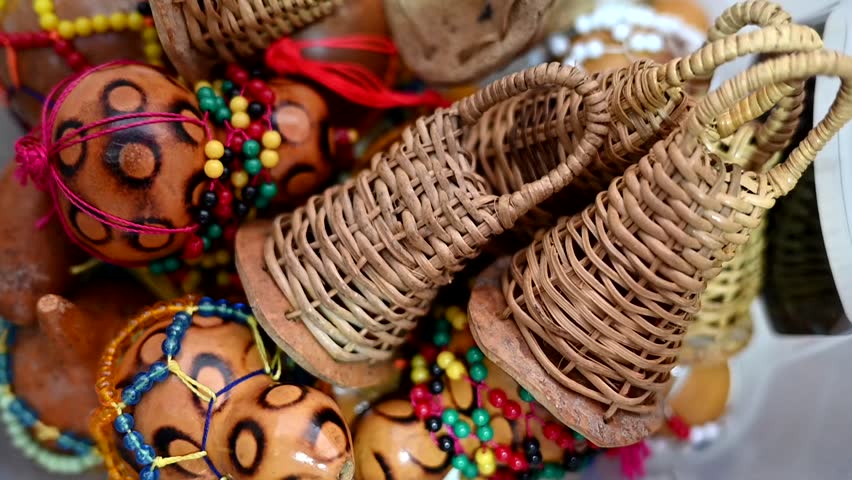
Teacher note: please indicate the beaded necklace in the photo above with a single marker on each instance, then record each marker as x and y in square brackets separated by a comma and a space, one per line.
[447, 428]
[27, 432]
[115, 415]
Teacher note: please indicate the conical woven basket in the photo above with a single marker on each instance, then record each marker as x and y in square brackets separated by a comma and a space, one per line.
[196, 35]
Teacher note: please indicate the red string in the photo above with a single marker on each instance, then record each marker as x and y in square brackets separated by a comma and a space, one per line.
[351, 81]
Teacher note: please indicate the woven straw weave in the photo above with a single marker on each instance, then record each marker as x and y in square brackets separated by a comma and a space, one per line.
[604, 298]
[363, 260]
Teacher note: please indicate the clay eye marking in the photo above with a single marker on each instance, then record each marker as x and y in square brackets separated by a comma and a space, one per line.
[195, 186]
[321, 418]
[167, 441]
[134, 157]
[486, 14]
[186, 132]
[212, 371]
[292, 122]
[122, 96]
[276, 397]
[409, 417]
[383, 464]
[246, 444]
[90, 229]
[294, 171]
[150, 242]
[73, 157]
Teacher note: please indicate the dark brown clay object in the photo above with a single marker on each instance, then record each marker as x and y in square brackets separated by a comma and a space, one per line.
[260, 429]
[55, 362]
[301, 117]
[499, 337]
[41, 69]
[301, 345]
[33, 262]
[449, 43]
[149, 174]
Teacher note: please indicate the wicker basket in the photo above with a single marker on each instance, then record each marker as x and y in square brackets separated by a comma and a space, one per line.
[604, 299]
[196, 35]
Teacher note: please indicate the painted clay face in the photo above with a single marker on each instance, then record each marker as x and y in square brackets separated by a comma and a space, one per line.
[39, 69]
[259, 429]
[146, 174]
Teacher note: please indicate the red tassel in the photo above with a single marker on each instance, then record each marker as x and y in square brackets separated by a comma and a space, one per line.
[351, 81]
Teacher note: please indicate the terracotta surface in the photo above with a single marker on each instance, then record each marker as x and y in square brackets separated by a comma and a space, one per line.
[54, 362]
[148, 174]
[270, 308]
[41, 69]
[500, 339]
[260, 429]
[33, 262]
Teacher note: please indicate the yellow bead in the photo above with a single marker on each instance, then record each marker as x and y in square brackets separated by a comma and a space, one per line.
[66, 29]
[213, 168]
[456, 370]
[223, 279]
[418, 361]
[100, 23]
[214, 149]
[456, 317]
[48, 21]
[445, 359]
[240, 120]
[269, 158]
[487, 469]
[153, 50]
[208, 261]
[150, 35]
[191, 281]
[419, 374]
[271, 139]
[43, 6]
[135, 21]
[217, 85]
[240, 179]
[484, 455]
[83, 26]
[223, 257]
[202, 84]
[239, 104]
[118, 21]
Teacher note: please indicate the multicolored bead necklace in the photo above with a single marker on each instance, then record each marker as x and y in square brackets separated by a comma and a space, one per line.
[490, 460]
[122, 421]
[27, 432]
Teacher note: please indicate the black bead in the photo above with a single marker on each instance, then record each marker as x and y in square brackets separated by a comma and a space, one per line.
[249, 193]
[535, 459]
[572, 462]
[256, 110]
[240, 209]
[235, 92]
[226, 174]
[445, 443]
[209, 199]
[433, 424]
[525, 476]
[203, 217]
[144, 8]
[436, 371]
[228, 156]
[257, 72]
[436, 386]
[531, 446]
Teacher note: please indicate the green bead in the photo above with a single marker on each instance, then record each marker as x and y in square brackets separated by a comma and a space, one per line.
[207, 104]
[478, 372]
[253, 166]
[227, 86]
[207, 243]
[222, 114]
[442, 325]
[171, 264]
[578, 435]
[261, 203]
[470, 471]
[214, 231]
[460, 462]
[206, 92]
[251, 148]
[450, 417]
[552, 470]
[485, 433]
[474, 355]
[157, 268]
[220, 103]
[480, 417]
[268, 190]
[461, 429]
[441, 339]
[525, 395]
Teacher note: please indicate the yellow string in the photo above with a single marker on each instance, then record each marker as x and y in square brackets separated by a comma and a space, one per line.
[85, 266]
[199, 389]
[46, 433]
[4, 340]
[274, 366]
[119, 407]
[161, 462]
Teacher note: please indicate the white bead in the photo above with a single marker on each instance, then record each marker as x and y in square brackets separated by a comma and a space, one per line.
[655, 43]
[558, 45]
[696, 435]
[643, 17]
[636, 42]
[621, 31]
[583, 25]
[595, 49]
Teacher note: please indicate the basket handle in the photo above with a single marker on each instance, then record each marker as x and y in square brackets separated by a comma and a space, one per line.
[784, 176]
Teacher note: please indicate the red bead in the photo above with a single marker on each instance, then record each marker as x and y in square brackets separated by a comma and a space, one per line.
[422, 410]
[256, 130]
[512, 410]
[255, 86]
[236, 144]
[230, 233]
[236, 74]
[497, 397]
[552, 431]
[63, 47]
[419, 394]
[193, 248]
[223, 211]
[566, 441]
[430, 353]
[76, 61]
[502, 453]
[225, 197]
[517, 463]
[265, 96]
